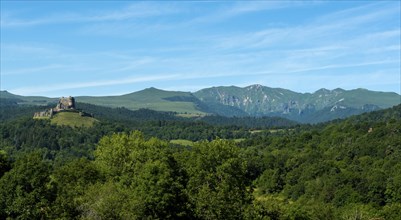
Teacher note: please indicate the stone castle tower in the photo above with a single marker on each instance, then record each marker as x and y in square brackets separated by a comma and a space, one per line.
[65, 104]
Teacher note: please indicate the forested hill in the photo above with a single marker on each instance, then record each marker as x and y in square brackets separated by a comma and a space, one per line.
[123, 114]
[345, 169]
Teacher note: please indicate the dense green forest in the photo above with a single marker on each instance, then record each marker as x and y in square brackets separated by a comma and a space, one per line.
[124, 167]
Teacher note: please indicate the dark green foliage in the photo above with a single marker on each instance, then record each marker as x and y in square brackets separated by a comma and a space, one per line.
[10, 110]
[71, 182]
[356, 161]
[5, 163]
[24, 190]
[149, 118]
[27, 134]
[250, 122]
[122, 114]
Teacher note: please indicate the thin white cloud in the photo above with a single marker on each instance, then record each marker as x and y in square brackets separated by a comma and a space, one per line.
[25, 49]
[241, 8]
[134, 10]
[360, 14]
[135, 63]
[334, 29]
[77, 85]
[339, 66]
[33, 69]
[395, 47]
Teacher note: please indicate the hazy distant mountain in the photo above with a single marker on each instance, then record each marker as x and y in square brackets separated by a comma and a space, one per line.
[31, 100]
[150, 98]
[254, 100]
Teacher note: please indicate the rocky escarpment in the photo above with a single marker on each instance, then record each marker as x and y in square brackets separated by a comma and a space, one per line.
[321, 105]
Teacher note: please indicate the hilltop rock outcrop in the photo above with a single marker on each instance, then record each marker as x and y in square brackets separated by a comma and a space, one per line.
[64, 104]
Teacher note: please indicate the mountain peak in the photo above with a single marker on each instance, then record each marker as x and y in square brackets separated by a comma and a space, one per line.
[255, 86]
[323, 90]
[339, 90]
[153, 89]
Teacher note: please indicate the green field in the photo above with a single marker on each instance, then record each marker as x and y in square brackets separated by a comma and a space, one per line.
[191, 115]
[72, 119]
[182, 142]
[41, 118]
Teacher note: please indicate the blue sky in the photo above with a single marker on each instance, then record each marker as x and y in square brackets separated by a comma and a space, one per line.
[111, 48]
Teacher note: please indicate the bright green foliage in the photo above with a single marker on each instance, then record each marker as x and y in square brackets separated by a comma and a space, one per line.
[271, 181]
[114, 152]
[73, 119]
[106, 201]
[217, 180]
[143, 180]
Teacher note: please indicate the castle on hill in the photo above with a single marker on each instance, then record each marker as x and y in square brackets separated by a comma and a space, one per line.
[64, 104]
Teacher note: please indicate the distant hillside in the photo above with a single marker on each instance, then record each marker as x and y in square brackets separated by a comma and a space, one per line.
[167, 101]
[146, 115]
[151, 98]
[255, 101]
[29, 100]
[123, 114]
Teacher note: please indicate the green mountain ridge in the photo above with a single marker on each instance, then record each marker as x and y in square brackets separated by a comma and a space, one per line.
[150, 98]
[322, 105]
[254, 100]
[32, 100]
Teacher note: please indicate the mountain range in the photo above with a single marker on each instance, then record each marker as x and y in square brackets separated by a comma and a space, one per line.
[255, 100]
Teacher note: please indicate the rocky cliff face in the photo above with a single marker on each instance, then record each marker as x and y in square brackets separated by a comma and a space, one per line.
[260, 100]
[255, 99]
